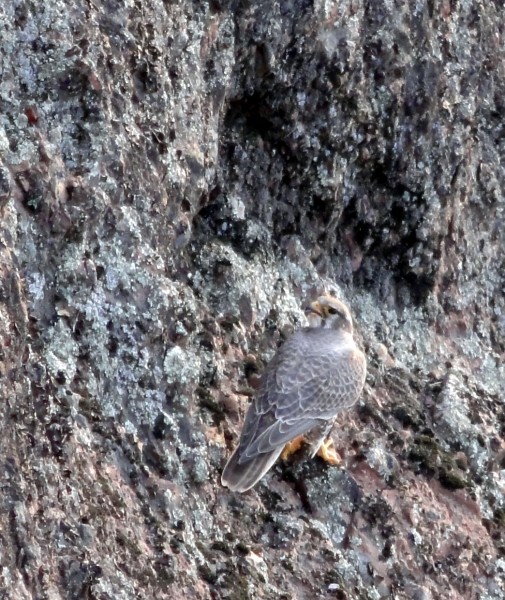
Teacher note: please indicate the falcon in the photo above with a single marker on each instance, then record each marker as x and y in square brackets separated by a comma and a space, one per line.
[315, 374]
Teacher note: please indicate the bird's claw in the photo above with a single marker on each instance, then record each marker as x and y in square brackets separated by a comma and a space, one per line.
[293, 446]
[328, 453]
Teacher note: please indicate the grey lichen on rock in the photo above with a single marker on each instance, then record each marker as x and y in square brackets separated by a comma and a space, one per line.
[176, 179]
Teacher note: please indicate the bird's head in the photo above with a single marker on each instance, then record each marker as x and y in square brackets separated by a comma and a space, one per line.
[329, 313]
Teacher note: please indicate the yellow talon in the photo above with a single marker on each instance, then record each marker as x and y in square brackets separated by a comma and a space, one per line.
[328, 453]
[293, 446]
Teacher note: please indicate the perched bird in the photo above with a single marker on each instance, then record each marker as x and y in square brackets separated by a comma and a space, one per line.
[315, 374]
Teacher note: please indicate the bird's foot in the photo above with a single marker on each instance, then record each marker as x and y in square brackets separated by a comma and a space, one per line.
[328, 453]
[293, 446]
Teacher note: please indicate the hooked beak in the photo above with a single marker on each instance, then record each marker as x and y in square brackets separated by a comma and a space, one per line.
[315, 308]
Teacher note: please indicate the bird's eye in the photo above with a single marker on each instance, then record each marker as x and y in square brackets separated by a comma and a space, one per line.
[332, 311]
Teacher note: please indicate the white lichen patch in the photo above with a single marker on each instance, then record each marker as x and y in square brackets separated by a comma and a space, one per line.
[36, 284]
[181, 366]
[62, 350]
[453, 408]
[380, 460]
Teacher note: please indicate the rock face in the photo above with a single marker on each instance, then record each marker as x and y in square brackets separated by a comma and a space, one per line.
[176, 177]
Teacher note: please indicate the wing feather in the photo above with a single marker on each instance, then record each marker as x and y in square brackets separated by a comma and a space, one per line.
[308, 381]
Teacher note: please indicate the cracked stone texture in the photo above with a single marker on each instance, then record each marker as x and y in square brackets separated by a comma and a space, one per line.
[176, 178]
